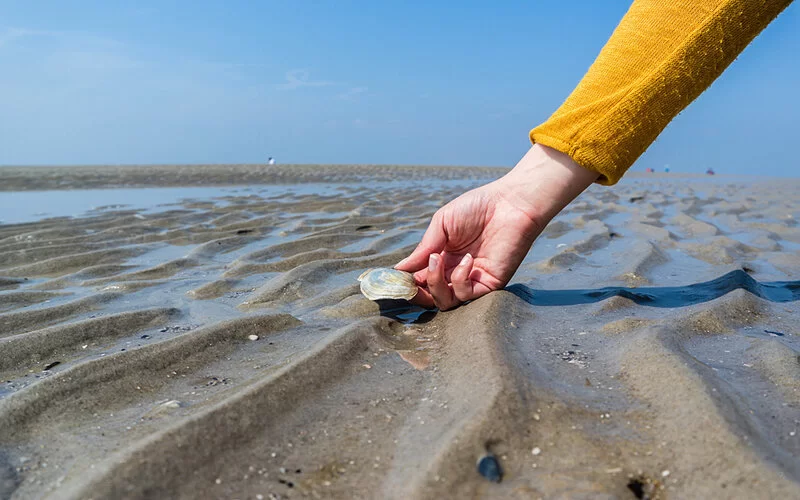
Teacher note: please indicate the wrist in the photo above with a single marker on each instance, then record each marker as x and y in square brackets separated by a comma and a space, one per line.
[543, 182]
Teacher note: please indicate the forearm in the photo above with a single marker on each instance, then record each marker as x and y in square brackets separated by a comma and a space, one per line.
[544, 182]
[659, 59]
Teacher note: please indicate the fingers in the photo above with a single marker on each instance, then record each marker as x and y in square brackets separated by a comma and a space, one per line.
[462, 285]
[449, 295]
[424, 299]
[437, 285]
[433, 242]
[435, 289]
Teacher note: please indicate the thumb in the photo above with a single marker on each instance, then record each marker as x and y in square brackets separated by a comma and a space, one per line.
[433, 241]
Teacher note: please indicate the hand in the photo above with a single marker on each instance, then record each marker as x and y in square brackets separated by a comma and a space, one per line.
[475, 243]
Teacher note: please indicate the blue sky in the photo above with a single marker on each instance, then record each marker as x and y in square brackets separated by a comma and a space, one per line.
[350, 82]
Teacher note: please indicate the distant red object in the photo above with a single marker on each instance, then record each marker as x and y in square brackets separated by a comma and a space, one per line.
[710, 171]
[650, 170]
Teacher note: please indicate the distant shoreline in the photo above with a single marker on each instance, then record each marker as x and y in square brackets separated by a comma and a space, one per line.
[132, 176]
[47, 178]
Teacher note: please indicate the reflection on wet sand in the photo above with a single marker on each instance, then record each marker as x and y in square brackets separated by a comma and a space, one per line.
[418, 359]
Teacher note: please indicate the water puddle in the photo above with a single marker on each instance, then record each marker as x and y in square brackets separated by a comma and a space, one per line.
[668, 296]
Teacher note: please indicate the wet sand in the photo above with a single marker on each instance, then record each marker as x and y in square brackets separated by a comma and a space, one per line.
[218, 347]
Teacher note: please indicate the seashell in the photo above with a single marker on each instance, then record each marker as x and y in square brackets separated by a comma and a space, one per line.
[385, 283]
[489, 467]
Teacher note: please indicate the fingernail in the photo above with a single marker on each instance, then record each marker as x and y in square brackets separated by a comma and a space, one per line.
[433, 262]
[465, 260]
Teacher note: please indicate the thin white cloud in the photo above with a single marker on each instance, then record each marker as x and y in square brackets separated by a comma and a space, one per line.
[299, 78]
[63, 40]
[353, 93]
[11, 34]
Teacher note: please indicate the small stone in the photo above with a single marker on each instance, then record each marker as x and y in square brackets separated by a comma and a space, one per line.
[536, 451]
[282, 470]
[665, 473]
[489, 467]
[253, 337]
[218, 481]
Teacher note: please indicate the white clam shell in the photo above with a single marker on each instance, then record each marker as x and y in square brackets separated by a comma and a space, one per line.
[385, 283]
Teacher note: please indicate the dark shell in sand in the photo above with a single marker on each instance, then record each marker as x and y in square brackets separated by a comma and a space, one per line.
[489, 467]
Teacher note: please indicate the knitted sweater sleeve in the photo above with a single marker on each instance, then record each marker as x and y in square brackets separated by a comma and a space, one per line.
[659, 59]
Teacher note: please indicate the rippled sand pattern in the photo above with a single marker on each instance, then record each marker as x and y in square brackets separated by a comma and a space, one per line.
[220, 349]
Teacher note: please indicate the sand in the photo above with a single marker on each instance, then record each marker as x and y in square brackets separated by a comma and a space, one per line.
[217, 346]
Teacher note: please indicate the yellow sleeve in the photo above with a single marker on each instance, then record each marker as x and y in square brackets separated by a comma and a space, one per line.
[660, 58]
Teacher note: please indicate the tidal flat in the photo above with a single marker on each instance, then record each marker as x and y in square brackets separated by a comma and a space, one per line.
[186, 332]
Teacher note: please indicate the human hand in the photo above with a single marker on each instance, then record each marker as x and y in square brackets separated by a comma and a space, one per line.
[475, 243]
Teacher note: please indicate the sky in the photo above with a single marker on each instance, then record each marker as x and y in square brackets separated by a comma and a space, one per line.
[415, 82]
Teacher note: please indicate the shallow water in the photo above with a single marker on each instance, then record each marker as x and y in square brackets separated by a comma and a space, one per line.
[668, 296]
[29, 206]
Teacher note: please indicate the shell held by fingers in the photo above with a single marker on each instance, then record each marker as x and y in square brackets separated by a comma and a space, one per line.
[385, 283]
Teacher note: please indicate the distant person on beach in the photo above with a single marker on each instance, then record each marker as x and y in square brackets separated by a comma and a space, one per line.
[658, 60]
[271, 161]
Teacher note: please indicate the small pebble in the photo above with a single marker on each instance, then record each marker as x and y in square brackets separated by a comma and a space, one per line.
[665, 473]
[253, 337]
[536, 451]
